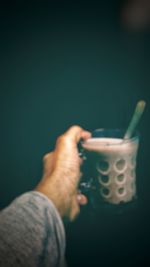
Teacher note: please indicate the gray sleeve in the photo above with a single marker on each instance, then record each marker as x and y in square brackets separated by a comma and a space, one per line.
[31, 233]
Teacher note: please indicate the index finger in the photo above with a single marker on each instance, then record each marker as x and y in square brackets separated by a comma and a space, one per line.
[75, 133]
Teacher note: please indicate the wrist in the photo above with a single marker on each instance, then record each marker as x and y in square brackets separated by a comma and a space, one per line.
[55, 193]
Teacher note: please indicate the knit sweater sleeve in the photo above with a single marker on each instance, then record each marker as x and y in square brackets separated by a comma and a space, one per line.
[31, 233]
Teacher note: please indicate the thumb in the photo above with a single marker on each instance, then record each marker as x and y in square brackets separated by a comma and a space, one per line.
[75, 209]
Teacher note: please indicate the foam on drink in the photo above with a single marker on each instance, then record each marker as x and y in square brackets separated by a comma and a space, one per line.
[104, 144]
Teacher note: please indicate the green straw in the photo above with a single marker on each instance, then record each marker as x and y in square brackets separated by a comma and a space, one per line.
[135, 119]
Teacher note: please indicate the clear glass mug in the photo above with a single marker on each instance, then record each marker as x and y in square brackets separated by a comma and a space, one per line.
[109, 169]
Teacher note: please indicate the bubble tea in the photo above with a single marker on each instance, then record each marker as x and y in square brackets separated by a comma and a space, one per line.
[113, 164]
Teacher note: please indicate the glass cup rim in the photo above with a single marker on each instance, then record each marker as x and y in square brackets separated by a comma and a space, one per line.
[134, 138]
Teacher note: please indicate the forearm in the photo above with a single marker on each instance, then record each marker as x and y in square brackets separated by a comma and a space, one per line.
[56, 192]
[31, 233]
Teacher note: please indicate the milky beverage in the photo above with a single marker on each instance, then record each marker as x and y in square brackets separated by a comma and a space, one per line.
[114, 160]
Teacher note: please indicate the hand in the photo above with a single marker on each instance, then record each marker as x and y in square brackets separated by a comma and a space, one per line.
[62, 173]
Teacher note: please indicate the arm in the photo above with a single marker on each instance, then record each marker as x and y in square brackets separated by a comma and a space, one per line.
[31, 229]
[31, 233]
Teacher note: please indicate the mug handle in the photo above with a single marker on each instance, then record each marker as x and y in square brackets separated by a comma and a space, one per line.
[85, 185]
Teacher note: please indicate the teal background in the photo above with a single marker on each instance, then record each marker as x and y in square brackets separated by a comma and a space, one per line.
[63, 64]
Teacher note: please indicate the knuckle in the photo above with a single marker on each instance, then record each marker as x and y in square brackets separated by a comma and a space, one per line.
[76, 128]
[45, 157]
[61, 139]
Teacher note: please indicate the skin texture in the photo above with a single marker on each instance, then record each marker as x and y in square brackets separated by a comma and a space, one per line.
[62, 174]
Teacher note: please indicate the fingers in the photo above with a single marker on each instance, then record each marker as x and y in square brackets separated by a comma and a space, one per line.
[63, 166]
[67, 142]
[75, 133]
[81, 199]
[77, 200]
[74, 209]
[48, 161]
[48, 156]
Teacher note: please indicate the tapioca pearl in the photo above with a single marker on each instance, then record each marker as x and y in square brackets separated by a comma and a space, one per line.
[104, 179]
[120, 164]
[103, 166]
[120, 178]
[105, 192]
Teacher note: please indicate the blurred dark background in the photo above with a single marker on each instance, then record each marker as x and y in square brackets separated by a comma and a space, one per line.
[65, 63]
